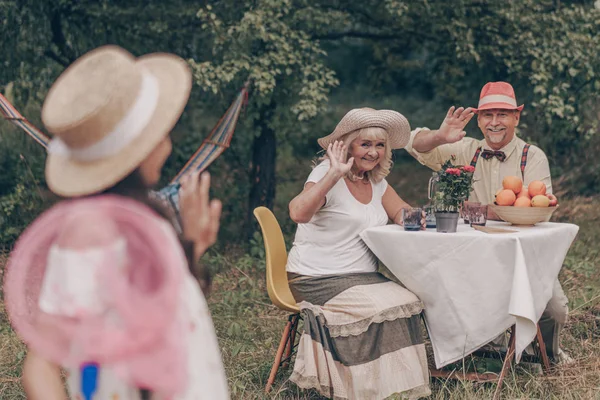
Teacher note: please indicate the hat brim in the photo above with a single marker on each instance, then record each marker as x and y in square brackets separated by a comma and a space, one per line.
[144, 303]
[499, 106]
[71, 178]
[394, 123]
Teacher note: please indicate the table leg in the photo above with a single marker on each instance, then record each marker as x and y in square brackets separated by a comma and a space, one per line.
[542, 347]
[507, 361]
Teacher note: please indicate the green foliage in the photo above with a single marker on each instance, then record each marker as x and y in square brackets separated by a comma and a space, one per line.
[309, 62]
[265, 43]
[22, 193]
[454, 185]
[257, 248]
[558, 70]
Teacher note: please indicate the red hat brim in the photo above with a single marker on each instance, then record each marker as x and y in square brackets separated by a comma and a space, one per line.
[499, 106]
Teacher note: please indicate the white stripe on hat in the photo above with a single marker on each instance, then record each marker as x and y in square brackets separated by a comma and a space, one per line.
[124, 132]
[497, 98]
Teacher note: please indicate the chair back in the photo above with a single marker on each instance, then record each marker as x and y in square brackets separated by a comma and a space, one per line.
[276, 258]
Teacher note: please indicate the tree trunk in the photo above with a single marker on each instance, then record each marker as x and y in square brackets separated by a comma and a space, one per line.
[262, 169]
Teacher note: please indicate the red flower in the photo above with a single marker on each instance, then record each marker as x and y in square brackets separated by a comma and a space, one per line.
[468, 168]
[453, 171]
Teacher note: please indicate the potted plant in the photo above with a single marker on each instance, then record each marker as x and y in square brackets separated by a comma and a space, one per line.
[453, 186]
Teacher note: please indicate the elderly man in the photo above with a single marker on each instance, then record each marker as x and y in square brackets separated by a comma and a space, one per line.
[501, 153]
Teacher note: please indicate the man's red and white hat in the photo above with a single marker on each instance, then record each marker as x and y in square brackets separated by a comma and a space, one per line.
[498, 95]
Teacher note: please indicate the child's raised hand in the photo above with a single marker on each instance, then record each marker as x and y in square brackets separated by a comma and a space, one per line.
[200, 217]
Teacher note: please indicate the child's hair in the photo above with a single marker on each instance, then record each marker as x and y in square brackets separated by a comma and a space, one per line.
[133, 186]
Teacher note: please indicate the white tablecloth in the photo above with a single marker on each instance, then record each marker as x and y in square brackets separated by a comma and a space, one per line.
[476, 285]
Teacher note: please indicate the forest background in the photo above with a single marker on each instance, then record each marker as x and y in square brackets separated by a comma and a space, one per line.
[309, 62]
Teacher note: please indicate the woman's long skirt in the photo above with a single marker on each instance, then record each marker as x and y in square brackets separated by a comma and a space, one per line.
[362, 337]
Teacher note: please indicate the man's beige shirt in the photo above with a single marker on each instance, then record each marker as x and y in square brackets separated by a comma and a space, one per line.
[488, 173]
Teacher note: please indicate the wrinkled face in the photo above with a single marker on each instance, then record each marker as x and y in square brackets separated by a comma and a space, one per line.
[498, 126]
[151, 167]
[367, 153]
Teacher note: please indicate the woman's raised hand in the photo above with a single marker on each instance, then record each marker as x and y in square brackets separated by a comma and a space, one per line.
[337, 153]
[452, 128]
[200, 217]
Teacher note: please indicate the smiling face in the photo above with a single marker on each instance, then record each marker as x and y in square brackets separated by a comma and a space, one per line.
[368, 149]
[498, 126]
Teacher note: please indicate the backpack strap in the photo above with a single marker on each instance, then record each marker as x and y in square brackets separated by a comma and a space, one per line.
[524, 159]
[476, 157]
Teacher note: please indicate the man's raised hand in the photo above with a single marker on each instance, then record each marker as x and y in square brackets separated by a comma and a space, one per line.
[452, 128]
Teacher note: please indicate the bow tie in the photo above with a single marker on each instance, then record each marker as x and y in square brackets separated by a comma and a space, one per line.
[487, 154]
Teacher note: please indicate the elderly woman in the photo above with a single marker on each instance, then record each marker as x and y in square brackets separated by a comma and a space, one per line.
[362, 337]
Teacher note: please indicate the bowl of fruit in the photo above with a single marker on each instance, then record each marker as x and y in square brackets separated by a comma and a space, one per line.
[523, 205]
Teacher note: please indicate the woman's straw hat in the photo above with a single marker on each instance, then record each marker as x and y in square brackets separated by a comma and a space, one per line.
[107, 112]
[394, 123]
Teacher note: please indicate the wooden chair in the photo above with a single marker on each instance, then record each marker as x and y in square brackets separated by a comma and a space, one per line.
[278, 287]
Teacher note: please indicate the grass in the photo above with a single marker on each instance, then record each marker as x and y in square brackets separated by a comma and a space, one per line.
[249, 326]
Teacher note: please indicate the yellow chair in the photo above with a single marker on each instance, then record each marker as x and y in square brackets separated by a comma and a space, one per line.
[277, 286]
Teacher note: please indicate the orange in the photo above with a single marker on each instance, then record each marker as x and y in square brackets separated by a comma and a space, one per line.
[536, 187]
[506, 198]
[540, 201]
[524, 193]
[522, 202]
[512, 183]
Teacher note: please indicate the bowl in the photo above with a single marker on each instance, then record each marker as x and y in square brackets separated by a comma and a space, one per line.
[523, 215]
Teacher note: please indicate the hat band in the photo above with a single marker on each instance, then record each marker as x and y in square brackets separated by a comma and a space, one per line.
[124, 132]
[497, 98]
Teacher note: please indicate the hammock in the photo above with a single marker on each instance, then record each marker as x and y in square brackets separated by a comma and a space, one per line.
[212, 146]
[10, 113]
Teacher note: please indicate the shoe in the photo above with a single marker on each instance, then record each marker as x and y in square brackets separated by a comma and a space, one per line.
[563, 358]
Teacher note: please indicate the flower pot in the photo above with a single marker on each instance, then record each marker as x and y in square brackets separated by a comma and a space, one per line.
[446, 221]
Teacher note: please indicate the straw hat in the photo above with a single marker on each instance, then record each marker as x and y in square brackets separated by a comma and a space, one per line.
[107, 112]
[498, 95]
[394, 123]
[106, 292]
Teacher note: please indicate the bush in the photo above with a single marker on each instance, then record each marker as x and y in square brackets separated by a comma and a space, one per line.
[22, 187]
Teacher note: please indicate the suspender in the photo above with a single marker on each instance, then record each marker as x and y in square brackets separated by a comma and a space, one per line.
[476, 157]
[523, 158]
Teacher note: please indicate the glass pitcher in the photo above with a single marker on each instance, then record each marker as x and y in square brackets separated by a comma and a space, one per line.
[432, 189]
[433, 186]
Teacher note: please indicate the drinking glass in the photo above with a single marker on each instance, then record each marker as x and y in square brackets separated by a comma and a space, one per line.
[429, 216]
[463, 210]
[411, 217]
[477, 214]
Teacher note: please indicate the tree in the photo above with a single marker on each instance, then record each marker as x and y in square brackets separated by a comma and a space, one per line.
[266, 42]
[40, 39]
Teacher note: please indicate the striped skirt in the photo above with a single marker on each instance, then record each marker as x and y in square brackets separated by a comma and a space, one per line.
[362, 337]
